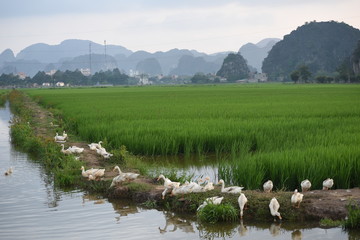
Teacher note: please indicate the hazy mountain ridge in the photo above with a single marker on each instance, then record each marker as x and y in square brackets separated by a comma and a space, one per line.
[256, 53]
[74, 54]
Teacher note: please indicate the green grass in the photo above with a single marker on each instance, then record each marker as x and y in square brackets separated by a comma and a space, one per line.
[212, 213]
[353, 218]
[285, 133]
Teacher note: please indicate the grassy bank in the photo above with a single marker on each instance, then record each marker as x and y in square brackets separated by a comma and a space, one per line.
[270, 131]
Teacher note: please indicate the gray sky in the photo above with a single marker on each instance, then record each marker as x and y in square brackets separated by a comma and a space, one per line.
[159, 25]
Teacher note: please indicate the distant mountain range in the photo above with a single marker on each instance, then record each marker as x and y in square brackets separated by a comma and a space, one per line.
[74, 54]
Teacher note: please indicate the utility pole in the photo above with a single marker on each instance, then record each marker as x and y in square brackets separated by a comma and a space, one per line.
[90, 57]
[105, 55]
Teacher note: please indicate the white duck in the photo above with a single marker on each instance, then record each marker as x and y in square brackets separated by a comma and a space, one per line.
[213, 200]
[268, 186]
[167, 182]
[242, 200]
[184, 189]
[296, 198]
[88, 172]
[233, 189]
[209, 186]
[98, 174]
[328, 183]
[9, 171]
[305, 185]
[128, 176]
[65, 151]
[94, 146]
[65, 135]
[274, 208]
[75, 149]
[59, 138]
[117, 180]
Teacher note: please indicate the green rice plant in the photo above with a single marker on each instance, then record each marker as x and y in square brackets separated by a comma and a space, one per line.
[285, 133]
[212, 213]
[353, 218]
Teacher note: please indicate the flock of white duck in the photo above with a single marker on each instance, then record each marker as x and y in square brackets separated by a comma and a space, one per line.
[206, 185]
[188, 187]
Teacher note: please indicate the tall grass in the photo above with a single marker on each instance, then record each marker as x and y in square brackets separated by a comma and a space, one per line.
[281, 132]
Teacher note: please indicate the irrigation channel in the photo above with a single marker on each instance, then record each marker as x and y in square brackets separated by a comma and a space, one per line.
[31, 208]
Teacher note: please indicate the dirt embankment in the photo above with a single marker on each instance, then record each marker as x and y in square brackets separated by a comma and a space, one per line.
[316, 204]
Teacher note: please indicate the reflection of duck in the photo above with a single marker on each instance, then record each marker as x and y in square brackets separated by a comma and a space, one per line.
[177, 222]
[296, 235]
[9, 171]
[242, 228]
[233, 189]
[268, 186]
[274, 208]
[275, 229]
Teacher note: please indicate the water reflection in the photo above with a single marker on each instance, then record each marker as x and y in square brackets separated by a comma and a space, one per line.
[275, 229]
[171, 219]
[242, 229]
[296, 235]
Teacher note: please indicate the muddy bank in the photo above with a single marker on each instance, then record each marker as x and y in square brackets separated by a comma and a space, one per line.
[316, 204]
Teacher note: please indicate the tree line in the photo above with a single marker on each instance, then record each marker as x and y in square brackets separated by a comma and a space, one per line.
[73, 78]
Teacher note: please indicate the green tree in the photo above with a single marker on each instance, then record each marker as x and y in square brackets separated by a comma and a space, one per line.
[304, 73]
[295, 76]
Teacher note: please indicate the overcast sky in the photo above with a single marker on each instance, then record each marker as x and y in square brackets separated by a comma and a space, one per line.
[159, 25]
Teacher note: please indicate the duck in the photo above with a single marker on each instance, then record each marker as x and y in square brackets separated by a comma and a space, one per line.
[209, 186]
[59, 138]
[65, 151]
[98, 174]
[213, 200]
[167, 182]
[9, 171]
[296, 198]
[233, 189]
[242, 200]
[184, 189]
[195, 187]
[65, 136]
[94, 146]
[328, 183]
[268, 186]
[87, 172]
[117, 180]
[305, 185]
[53, 125]
[75, 149]
[274, 208]
[128, 176]
[91, 177]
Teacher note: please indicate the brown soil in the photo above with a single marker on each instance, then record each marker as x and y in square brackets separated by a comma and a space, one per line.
[316, 204]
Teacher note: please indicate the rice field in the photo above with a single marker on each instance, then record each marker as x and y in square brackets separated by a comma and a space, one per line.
[282, 132]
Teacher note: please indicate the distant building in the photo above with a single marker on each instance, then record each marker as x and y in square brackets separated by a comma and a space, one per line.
[85, 71]
[144, 80]
[51, 72]
[21, 75]
[60, 84]
[46, 84]
[260, 77]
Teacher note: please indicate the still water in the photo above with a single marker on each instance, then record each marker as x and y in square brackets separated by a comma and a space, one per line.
[31, 208]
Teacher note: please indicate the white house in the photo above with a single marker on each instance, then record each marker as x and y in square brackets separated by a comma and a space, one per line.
[60, 84]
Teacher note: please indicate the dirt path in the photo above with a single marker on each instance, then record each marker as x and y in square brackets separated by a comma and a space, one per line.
[317, 204]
